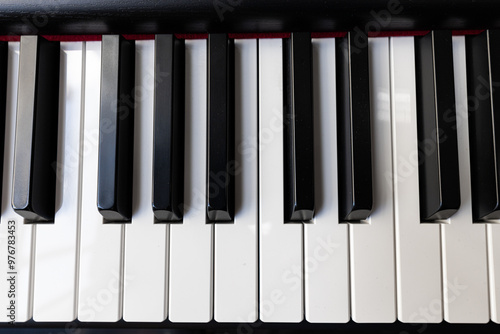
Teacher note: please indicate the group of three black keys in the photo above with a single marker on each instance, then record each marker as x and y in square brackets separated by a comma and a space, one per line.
[34, 183]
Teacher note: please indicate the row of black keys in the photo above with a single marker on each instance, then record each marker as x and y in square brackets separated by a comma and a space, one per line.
[36, 131]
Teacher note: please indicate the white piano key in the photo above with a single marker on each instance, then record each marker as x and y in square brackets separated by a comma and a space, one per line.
[235, 272]
[280, 263]
[100, 273]
[464, 248]
[56, 252]
[191, 242]
[22, 234]
[418, 253]
[493, 235]
[493, 243]
[373, 286]
[326, 241]
[146, 251]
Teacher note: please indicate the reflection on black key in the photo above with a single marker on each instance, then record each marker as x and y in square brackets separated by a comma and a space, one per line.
[298, 128]
[353, 127]
[220, 178]
[483, 84]
[34, 183]
[116, 129]
[3, 95]
[168, 163]
[436, 123]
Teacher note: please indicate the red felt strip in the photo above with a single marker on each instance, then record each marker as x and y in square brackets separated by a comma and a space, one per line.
[73, 38]
[139, 37]
[466, 32]
[191, 36]
[10, 38]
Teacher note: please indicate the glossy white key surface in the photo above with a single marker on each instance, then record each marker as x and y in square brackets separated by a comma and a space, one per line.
[235, 272]
[191, 242]
[22, 235]
[280, 257]
[146, 250]
[56, 252]
[418, 253]
[493, 231]
[326, 242]
[464, 248]
[373, 289]
[100, 275]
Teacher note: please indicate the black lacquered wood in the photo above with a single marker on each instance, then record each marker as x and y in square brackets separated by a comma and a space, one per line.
[4, 48]
[168, 161]
[439, 181]
[353, 127]
[116, 129]
[168, 16]
[298, 128]
[220, 171]
[483, 83]
[34, 183]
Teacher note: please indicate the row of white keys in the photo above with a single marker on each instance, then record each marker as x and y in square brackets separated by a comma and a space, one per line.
[464, 249]
[21, 236]
[326, 248]
[280, 245]
[101, 245]
[146, 243]
[418, 246]
[56, 251]
[373, 290]
[236, 251]
[191, 242]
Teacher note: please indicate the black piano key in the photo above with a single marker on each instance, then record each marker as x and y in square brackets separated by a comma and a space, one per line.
[34, 182]
[298, 128]
[116, 129]
[220, 178]
[483, 77]
[439, 179]
[353, 128]
[168, 161]
[4, 48]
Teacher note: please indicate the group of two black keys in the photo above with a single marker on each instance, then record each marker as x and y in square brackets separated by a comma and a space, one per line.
[36, 130]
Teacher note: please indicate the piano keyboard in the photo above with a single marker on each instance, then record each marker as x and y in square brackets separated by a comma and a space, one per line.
[278, 180]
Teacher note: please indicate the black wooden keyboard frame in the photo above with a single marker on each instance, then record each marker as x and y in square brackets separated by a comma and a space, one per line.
[21, 17]
[250, 328]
